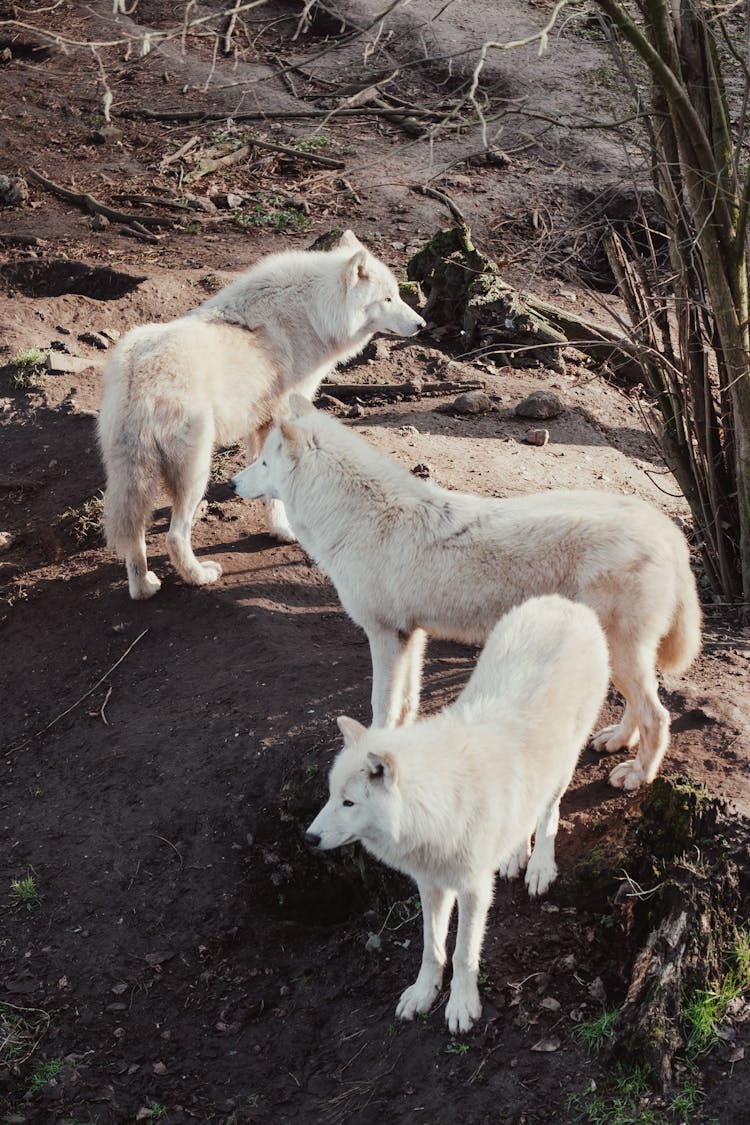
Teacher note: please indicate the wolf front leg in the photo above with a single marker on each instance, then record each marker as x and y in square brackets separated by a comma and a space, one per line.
[396, 675]
[437, 907]
[474, 901]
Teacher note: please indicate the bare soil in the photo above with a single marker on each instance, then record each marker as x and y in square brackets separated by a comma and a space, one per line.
[188, 960]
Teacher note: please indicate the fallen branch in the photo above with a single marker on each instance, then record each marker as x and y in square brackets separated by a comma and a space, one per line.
[89, 203]
[446, 200]
[258, 115]
[86, 694]
[414, 388]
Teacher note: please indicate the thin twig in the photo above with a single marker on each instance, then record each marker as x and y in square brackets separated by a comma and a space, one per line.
[105, 720]
[446, 200]
[88, 203]
[86, 694]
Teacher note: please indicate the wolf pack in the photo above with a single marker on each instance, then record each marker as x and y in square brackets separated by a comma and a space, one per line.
[567, 591]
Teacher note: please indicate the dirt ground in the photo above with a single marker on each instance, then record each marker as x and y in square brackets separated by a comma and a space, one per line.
[187, 959]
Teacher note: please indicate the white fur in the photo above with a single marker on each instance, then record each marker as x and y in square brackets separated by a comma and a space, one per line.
[217, 375]
[456, 797]
[409, 559]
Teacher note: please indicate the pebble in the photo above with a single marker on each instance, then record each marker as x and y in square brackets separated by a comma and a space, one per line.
[95, 339]
[537, 437]
[14, 191]
[6, 540]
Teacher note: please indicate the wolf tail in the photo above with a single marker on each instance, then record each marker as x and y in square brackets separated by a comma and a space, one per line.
[679, 647]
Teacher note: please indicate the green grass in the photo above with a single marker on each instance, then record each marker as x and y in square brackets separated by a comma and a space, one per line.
[271, 212]
[311, 144]
[43, 1073]
[706, 1008]
[600, 1032]
[85, 523]
[456, 1047]
[26, 367]
[25, 892]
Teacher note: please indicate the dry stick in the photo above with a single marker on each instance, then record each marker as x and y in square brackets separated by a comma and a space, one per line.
[86, 694]
[254, 115]
[413, 387]
[446, 200]
[183, 151]
[88, 203]
[229, 31]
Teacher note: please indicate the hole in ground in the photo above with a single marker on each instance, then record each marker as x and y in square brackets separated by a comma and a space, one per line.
[38, 278]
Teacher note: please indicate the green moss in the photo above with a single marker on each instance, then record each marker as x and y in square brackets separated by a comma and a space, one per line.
[674, 814]
[411, 293]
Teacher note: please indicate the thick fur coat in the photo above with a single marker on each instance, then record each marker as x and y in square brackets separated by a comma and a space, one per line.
[174, 391]
[455, 797]
[409, 559]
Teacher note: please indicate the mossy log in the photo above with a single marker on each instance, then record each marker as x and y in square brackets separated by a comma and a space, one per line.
[466, 293]
[678, 915]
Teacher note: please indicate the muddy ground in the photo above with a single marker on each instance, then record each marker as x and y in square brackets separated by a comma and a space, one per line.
[186, 959]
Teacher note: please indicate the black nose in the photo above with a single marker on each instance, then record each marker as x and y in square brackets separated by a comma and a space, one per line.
[313, 839]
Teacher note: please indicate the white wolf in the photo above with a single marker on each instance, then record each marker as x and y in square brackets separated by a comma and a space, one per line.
[217, 375]
[408, 558]
[457, 796]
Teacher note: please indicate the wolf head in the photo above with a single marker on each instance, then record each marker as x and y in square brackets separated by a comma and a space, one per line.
[363, 297]
[364, 802]
[282, 449]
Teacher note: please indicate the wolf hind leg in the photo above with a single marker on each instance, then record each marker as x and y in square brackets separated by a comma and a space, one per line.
[187, 483]
[128, 504]
[634, 672]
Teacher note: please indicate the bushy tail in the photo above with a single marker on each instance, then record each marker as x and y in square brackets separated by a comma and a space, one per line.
[680, 646]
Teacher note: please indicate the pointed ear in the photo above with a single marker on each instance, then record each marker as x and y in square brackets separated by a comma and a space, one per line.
[348, 241]
[355, 269]
[299, 405]
[294, 439]
[351, 729]
[382, 767]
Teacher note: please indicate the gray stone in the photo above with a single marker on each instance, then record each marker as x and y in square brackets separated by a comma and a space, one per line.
[95, 339]
[537, 437]
[540, 404]
[14, 191]
[472, 402]
[61, 364]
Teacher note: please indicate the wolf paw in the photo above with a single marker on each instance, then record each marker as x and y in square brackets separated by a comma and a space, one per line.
[515, 864]
[206, 573]
[540, 876]
[145, 586]
[628, 775]
[418, 997]
[463, 1008]
[611, 739]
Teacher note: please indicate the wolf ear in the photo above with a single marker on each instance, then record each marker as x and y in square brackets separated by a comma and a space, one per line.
[299, 405]
[348, 241]
[382, 767]
[295, 438]
[351, 729]
[355, 270]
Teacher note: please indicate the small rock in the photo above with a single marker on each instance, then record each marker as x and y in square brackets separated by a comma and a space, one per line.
[568, 294]
[552, 1044]
[357, 410]
[398, 245]
[14, 191]
[62, 330]
[409, 431]
[6, 541]
[6, 55]
[58, 346]
[107, 135]
[111, 334]
[99, 222]
[95, 339]
[227, 200]
[61, 364]
[549, 1003]
[537, 437]
[596, 989]
[540, 404]
[159, 1068]
[472, 402]
[423, 471]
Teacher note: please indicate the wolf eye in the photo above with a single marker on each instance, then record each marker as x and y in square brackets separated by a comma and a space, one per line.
[347, 804]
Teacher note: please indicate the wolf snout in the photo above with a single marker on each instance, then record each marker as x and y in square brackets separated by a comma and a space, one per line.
[312, 839]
